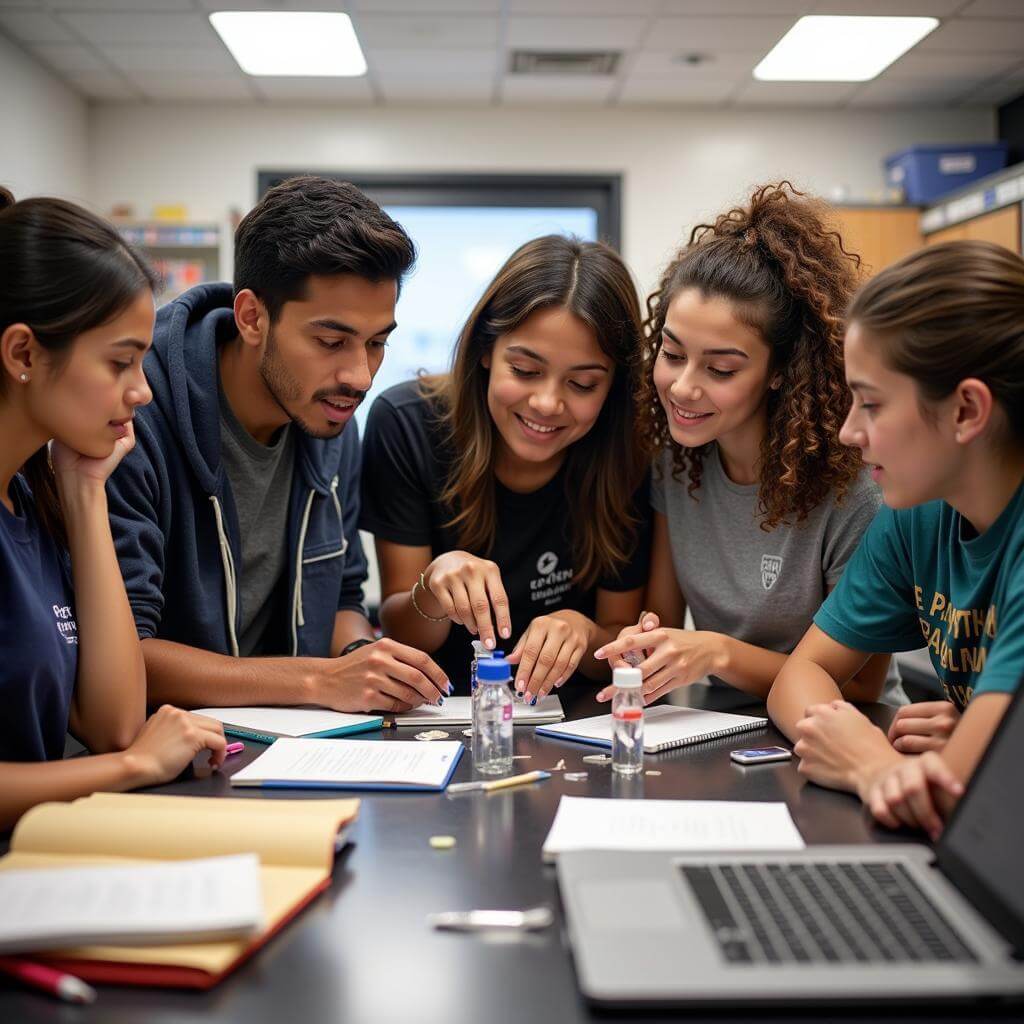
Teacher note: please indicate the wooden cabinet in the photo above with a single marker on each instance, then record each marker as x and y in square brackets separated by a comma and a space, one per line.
[999, 226]
[878, 235]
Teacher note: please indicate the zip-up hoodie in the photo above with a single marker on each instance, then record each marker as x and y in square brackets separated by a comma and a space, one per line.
[174, 519]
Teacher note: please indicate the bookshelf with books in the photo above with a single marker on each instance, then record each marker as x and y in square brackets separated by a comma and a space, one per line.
[183, 254]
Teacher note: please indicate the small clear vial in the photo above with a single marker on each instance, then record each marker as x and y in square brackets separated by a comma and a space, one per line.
[492, 731]
[627, 721]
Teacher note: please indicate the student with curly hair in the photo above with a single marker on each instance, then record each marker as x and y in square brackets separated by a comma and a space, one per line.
[935, 361]
[758, 506]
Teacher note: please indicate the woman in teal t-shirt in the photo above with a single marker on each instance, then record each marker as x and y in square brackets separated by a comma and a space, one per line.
[935, 360]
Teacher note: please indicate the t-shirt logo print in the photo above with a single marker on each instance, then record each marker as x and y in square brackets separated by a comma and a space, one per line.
[771, 566]
[547, 563]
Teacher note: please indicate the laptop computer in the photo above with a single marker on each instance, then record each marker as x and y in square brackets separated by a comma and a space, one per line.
[828, 924]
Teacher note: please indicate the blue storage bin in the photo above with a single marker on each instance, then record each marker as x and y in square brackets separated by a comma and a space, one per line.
[926, 173]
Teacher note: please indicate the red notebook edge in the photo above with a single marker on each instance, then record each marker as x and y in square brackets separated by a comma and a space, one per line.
[109, 972]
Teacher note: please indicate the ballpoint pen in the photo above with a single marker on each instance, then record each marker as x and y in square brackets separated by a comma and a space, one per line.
[48, 979]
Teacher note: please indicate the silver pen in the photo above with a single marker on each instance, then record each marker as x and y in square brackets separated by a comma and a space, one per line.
[532, 919]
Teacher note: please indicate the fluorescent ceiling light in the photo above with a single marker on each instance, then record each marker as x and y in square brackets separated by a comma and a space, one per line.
[297, 43]
[820, 48]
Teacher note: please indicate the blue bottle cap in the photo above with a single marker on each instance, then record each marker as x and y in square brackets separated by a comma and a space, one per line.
[493, 670]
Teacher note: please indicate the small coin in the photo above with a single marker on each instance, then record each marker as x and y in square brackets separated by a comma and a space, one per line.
[652, 773]
[442, 842]
[597, 759]
[432, 734]
[575, 776]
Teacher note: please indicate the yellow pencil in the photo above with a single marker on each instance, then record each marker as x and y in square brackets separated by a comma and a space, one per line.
[492, 784]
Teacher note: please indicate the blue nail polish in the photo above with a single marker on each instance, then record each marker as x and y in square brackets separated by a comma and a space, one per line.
[440, 701]
[532, 702]
[451, 687]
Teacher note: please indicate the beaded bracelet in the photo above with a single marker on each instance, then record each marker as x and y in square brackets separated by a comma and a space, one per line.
[430, 618]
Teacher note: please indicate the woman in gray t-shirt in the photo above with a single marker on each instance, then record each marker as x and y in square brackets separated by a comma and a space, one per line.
[758, 506]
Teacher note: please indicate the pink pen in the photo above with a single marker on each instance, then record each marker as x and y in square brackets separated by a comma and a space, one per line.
[234, 748]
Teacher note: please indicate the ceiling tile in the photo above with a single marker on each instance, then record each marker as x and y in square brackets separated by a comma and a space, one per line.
[717, 34]
[672, 92]
[908, 93]
[436, 88]
[650, 63]
[392, 31]
[996, 93]
[423, 63]
[574, 33]
[161, 86]
[103, 85]
[594, 89]
[185, 59]
[794, 94]
[976, 35]
[328, 90]
[152, 29]
[925, 65]
[993, 9]
[65, 58]
[893, 8]
[794, 8]
[34, 27]
[417, 6]
[591, 8]
[122, 5]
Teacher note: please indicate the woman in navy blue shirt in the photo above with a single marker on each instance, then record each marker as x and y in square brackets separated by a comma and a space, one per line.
[76, 318]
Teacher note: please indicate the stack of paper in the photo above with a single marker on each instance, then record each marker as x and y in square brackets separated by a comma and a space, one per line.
[459, 711]
[204, 900]
[585, 823]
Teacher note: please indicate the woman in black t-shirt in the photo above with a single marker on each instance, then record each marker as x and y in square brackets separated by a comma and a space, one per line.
[76, 317]
[503, 495]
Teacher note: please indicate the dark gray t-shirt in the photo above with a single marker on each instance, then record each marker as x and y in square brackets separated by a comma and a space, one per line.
[761, 587]
[261, 483]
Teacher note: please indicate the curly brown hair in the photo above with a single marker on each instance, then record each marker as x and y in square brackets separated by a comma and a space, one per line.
[788, 276]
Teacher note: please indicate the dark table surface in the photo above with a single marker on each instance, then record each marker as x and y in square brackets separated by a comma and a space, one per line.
[362, 952]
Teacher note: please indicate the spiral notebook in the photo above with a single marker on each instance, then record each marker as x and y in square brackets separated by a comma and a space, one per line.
[665, 727]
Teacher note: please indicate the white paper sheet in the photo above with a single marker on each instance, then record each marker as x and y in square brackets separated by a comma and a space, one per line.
[343, 762]
[459, 711]
[587, 823]
[288, 721]
[167, 901]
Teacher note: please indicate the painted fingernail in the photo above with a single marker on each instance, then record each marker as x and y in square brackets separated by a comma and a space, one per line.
[505, 632]
[489, 644]
[533, 702]
[440, 701]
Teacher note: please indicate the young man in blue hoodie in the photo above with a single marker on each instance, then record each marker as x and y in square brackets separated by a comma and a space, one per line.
[235, 515]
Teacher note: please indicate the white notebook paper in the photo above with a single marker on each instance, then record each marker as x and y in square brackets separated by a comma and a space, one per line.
[589, 823]
[205, 900]
[665, 727]
[459, 711]
[270, 723]
[352, 764]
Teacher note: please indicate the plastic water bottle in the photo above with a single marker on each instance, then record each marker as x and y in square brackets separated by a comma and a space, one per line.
[627, 721]
[492, 733]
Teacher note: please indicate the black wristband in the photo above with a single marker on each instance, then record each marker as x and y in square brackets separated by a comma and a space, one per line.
[354, 646]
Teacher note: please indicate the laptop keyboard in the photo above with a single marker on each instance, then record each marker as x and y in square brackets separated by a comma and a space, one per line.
[822, 913]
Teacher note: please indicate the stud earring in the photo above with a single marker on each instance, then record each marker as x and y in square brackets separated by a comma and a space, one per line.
[23, 378]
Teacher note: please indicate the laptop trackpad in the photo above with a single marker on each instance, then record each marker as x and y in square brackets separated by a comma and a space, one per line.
[652, 905]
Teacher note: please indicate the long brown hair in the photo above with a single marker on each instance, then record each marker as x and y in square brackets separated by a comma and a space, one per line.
[789, 277]
[603, 468]
[949, 312]
[64, 272]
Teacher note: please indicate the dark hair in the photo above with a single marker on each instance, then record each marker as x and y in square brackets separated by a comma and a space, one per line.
[63, 271]
[787, 275]
[308, 226]
[949, 312]
[604, 467]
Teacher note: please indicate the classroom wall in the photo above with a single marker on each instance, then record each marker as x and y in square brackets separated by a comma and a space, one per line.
[43, 130]
[679, 165]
